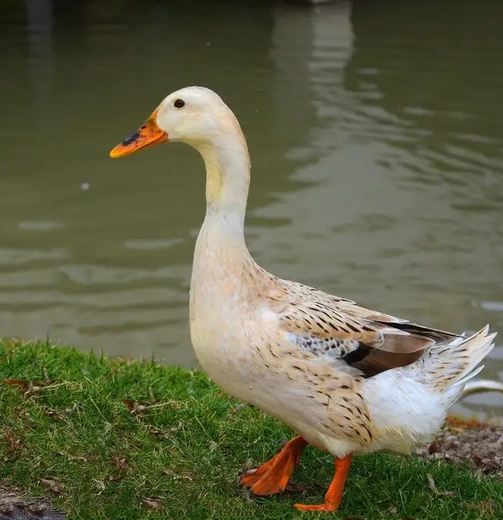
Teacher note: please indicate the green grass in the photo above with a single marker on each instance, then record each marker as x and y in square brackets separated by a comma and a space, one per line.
[186, 450]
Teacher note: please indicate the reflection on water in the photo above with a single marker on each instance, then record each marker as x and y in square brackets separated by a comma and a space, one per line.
[376, 133]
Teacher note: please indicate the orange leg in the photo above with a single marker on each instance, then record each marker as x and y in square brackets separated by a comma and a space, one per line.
[333, 498]
[273, 476]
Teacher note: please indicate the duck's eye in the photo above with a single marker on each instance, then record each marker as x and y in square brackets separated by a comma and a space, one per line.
[179, 103]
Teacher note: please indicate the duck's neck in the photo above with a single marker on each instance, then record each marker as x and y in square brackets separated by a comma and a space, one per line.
[227, 182]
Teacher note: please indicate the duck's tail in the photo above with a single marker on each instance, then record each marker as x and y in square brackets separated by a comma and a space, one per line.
[448, 366]
[409, 404]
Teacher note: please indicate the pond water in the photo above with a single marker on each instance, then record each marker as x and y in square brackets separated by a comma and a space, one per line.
[376, 135]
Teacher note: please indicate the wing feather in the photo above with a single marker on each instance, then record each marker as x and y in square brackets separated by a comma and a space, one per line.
[338, 328]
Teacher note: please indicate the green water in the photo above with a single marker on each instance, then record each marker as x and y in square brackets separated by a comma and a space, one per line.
[376, 135]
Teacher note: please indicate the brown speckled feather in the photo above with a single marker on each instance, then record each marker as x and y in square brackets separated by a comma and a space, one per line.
[338, 328]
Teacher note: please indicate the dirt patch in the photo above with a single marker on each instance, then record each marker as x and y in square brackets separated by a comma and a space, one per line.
[467, 441]
[14, 506]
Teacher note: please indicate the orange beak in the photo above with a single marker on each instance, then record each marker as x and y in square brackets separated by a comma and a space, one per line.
[149, 134]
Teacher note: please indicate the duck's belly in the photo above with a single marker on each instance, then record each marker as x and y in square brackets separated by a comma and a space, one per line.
[244, 375]
[238, 371]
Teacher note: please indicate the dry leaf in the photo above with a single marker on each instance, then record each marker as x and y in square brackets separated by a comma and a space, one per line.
[485, 464]
[152, 503]
[165, 434]
[54, 485]
[136, 407]
[488, 505]
[14, 444]
[158, 432]
[294, 487]
[174, 476]
[71, 409]
[100, 486]
[30, 387]
[17, 382]
[55, 416]
[46, 375]
[433, 487]
[463, 423]
[139, 407]
[120, 464]
[72, 457]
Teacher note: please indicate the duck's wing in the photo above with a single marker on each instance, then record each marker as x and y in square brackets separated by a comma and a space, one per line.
[328, 326]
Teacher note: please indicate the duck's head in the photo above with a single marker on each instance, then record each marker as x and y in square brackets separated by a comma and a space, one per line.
[193, 115]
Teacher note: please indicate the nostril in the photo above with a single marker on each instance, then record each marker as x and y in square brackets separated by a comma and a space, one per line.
[131, 139]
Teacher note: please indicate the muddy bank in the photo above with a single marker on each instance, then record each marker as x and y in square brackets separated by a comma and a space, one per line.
[478, 445]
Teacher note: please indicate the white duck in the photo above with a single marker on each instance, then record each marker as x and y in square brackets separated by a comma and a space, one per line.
[349, 380]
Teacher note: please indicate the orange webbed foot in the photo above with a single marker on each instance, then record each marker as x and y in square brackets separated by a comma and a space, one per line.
[252, 476]
[333, 498]
[273, 476]
[320, 507]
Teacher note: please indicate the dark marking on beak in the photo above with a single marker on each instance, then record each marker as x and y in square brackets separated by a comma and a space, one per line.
[131, 139]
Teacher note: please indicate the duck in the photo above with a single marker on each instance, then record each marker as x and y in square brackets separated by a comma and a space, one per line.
[347, 379]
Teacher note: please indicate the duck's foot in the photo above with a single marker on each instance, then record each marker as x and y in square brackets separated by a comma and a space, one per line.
[273, 476]
[333, 498]
[320, 507]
